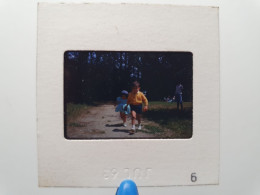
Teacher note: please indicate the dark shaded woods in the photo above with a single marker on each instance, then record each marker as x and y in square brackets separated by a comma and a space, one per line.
[93, 76]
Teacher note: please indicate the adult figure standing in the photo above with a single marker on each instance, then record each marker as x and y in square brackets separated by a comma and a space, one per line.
[178, 95]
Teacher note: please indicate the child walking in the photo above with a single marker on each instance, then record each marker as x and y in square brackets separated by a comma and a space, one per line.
[135, 99]
[122, 107]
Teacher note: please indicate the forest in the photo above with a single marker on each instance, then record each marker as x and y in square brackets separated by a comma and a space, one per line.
[100, 76]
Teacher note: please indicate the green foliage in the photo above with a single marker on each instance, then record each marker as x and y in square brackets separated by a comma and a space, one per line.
[75, 110]
[168, 117]
[153, 129]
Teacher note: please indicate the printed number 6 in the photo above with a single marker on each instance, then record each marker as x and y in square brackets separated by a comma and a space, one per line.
[193, 177]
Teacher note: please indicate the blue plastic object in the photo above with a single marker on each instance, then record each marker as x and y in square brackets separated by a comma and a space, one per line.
[127, 187]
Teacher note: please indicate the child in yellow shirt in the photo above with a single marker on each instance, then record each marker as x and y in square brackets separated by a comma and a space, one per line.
[136, 99]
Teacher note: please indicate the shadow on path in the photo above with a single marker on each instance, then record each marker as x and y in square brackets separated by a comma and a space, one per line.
[121, 130]
[114, 125]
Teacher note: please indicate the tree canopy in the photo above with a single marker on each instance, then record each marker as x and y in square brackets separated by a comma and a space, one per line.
[91, 76]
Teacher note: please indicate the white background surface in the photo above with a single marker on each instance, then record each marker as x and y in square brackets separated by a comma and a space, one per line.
[240, 105]
[74, 163]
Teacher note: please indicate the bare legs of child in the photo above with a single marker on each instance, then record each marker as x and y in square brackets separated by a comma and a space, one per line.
[134, 117]
[133, 114]
[123, 117]
[139, 116]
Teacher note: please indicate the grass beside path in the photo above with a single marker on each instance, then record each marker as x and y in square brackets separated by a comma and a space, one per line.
[163, 119]
[168, 117]
[73, 111]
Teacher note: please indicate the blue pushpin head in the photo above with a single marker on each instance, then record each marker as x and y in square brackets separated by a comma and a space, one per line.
[127, 187]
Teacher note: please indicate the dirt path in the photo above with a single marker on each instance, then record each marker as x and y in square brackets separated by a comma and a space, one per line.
[102, 122]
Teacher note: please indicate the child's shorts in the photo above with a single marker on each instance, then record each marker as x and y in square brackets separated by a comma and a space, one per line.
[137, 108]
